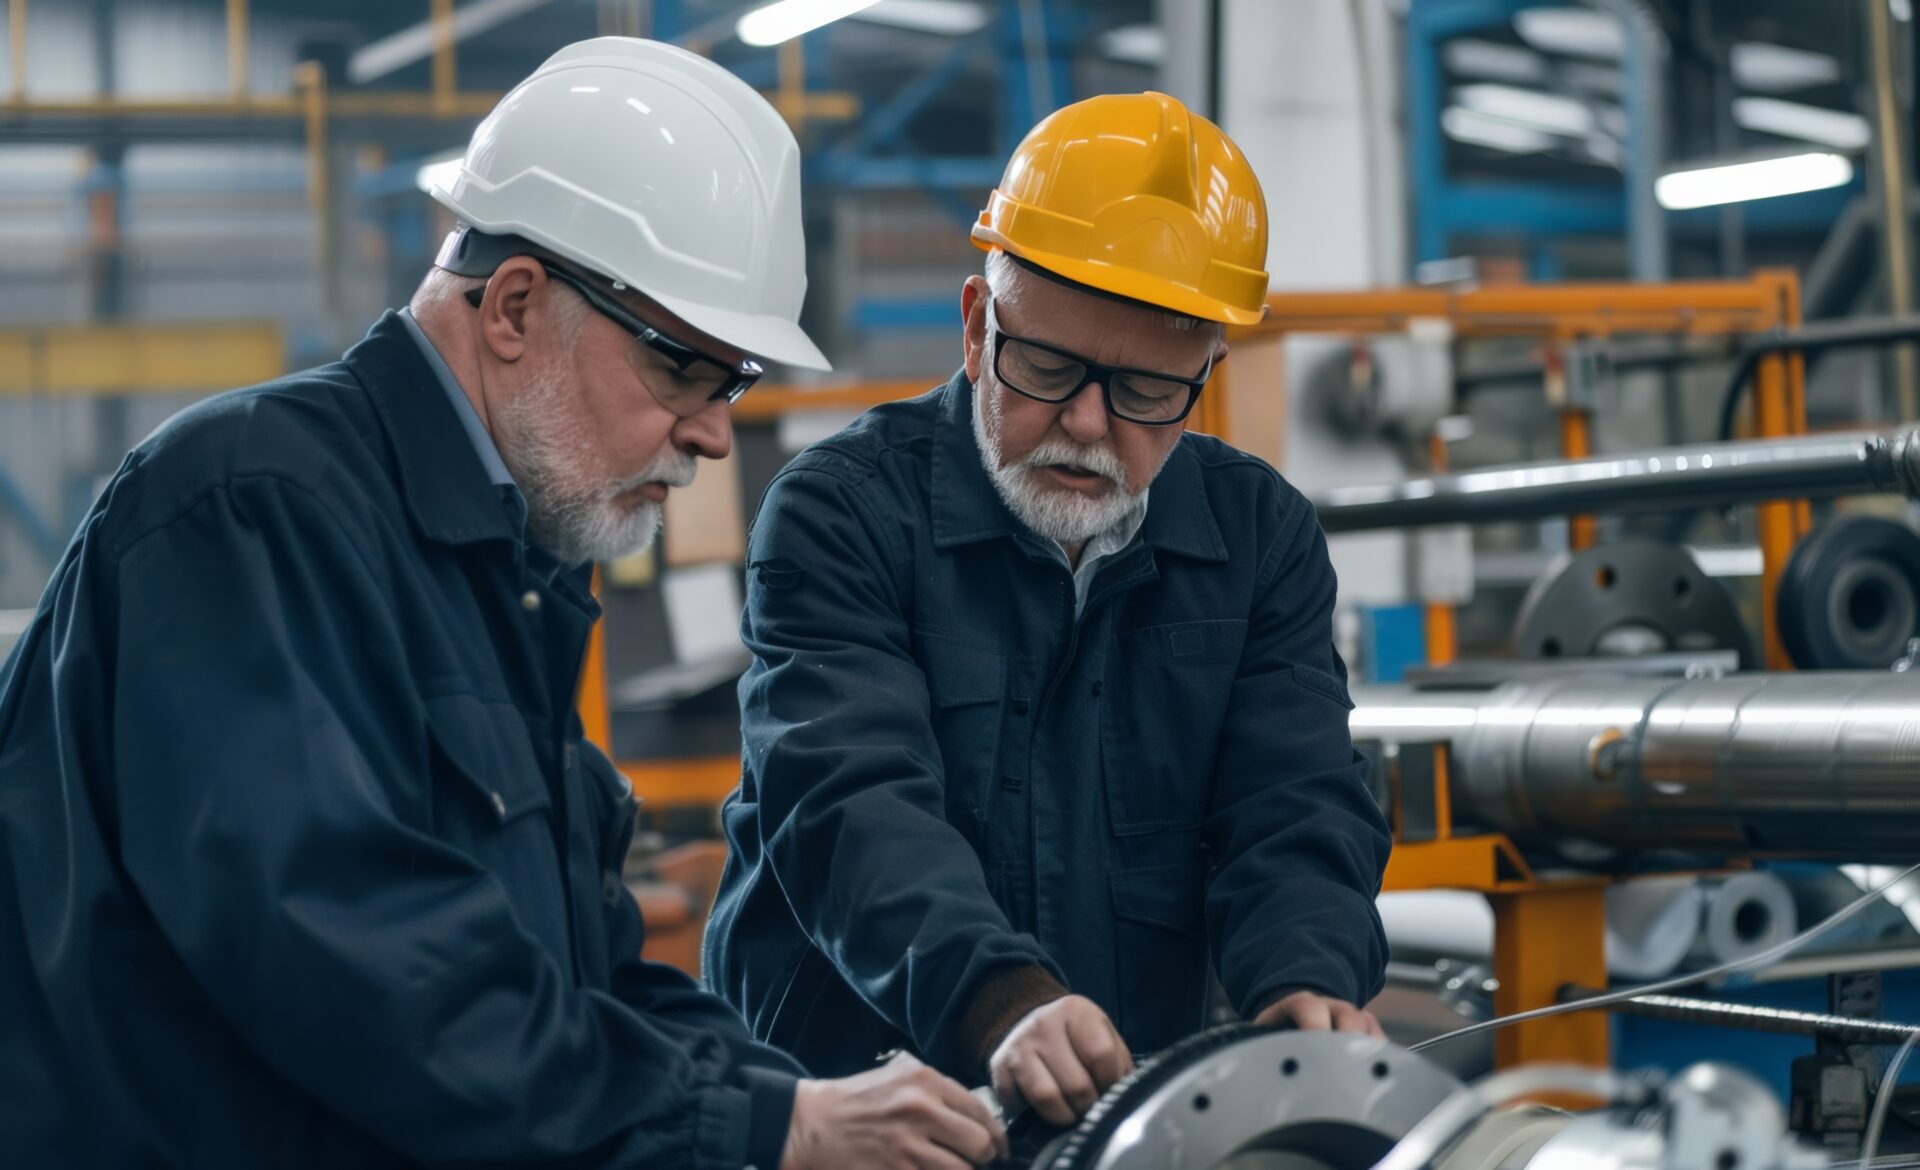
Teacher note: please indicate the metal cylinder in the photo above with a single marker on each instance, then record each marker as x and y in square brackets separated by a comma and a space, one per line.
[1671, 479]
[1818, 763]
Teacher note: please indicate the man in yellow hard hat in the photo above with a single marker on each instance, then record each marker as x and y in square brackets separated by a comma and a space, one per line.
[1045, 721]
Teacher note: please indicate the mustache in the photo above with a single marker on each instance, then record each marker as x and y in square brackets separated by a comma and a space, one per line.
[1079, 457]
[676, 469]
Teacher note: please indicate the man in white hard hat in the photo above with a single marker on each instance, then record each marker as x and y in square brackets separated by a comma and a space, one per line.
[303, 858]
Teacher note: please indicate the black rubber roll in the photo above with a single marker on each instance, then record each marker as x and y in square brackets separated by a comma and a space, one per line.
[1850, 596]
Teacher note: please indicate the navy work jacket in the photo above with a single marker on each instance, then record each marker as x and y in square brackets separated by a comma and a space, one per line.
[303, 860]
[948, 774]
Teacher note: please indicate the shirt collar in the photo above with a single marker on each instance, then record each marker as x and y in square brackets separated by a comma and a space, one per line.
[483, 444]
[446, 485]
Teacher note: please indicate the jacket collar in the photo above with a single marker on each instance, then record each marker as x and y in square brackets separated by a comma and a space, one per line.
[446, 486]
[967, 508]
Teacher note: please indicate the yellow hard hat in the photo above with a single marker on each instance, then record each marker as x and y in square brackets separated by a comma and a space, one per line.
[1135, 195]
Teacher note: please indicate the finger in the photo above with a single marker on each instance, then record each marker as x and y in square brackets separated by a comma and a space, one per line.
[1126, 1053]
[1099, 1049]
[1347, 1018]
[1373, 1025]
[1310, 1014]
[1273, 1013]
[1076, 1083]
[924, 1155]
[972, 1108]
[1042, 1093]
[963, 1136]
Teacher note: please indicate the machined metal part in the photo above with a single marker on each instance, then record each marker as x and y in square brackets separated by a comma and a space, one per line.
[1709, 1116]
[1672, 479]
[1242, 1098]
[1629, 598]
[1850, 596]
[1824, 764]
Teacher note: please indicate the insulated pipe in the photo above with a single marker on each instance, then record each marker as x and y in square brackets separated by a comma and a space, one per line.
[1817, 763]
[1671, 479]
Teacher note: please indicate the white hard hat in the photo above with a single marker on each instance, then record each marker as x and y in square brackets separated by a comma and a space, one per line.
[656, 168]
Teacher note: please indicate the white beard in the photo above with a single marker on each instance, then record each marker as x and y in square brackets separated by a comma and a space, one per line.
[1061, 515]
[569, 514]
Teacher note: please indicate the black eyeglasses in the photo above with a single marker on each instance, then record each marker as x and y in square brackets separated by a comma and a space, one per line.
[696, 378]
[1047, 373]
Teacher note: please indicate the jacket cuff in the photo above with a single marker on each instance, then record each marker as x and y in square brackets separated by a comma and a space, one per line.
[769, 1114]
[1002, 1001]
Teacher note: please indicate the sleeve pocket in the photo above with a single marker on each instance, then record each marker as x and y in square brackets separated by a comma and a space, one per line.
[1326, 684]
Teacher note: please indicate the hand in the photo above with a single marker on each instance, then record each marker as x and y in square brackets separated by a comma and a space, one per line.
[1059, 1058]
[1317, 1013]
[901, 1116]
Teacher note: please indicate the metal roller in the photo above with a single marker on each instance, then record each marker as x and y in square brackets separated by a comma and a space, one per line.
[1813, 764]
[1676, 478]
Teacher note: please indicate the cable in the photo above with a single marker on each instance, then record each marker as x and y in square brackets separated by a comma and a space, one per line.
[1883, 1100]
[1760, 959]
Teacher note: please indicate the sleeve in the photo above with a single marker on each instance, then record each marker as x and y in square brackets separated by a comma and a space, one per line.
[266, 767]
[671, 1000]
[1300, 844]
[838, 742]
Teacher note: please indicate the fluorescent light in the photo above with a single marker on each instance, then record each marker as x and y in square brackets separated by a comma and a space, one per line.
[1573, 32]
[1778, 68]
[787, 19]
[439, 171]
[1835, 128]
[1493, 62]
[1531, 108]
[1141, 44]
[954, 18]
[415, 42]
[1464, 125]
[1740, 182]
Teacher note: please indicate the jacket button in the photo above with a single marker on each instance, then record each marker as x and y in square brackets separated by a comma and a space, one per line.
[499, 805]
[530, 601]
[611, 887]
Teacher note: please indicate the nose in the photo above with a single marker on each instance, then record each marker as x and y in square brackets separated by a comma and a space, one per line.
[1085, 417]
[707, 434]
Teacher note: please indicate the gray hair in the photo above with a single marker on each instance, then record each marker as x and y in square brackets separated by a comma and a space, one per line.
[1005, 279]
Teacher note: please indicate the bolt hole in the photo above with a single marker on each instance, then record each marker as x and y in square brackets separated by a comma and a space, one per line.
[1604, 577]
[1728, 1159]
[1289, 1066]
[1380, 1070]
[1682, 590]
[1550, 648]
[1202, 1103]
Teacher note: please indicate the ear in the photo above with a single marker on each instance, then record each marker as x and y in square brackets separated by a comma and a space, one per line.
[973, 314]
[507, 306]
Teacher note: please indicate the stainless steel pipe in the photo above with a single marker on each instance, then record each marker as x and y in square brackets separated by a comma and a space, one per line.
[1671, 479]
[1815, 763]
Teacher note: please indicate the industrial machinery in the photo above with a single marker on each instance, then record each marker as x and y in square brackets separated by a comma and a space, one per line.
[1247, 1098]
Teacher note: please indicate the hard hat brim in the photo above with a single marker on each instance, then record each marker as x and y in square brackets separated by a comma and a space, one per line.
[1126, 283]
[772, 338]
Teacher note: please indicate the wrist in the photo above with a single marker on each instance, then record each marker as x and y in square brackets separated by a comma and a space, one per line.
[1006, 998]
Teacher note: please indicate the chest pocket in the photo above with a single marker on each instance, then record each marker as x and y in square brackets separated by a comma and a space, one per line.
[491, 803]
[1162, 704]
[966, 694]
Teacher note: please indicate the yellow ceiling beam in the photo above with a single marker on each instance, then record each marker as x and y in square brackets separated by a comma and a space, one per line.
[87, 360]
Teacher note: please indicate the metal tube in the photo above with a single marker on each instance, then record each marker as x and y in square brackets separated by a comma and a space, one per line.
[444, 84]
[1754, 1018]
[1891, 163]
[1817, 763]
[1644, 96]
[1672, 479]
[237, 48]
[17, 46]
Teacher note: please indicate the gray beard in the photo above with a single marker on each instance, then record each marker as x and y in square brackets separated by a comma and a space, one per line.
[1064, 517]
